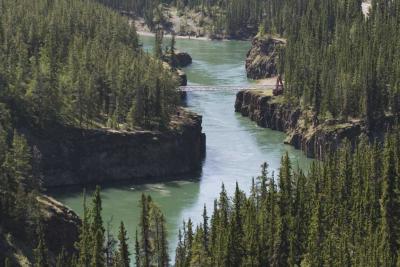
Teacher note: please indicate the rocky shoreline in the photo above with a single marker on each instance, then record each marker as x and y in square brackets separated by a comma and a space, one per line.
[73, 156]
[303, 131]
[61, 225]
[61, 228]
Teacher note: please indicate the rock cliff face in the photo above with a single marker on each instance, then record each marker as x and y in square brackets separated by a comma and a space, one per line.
[262, 58]
[61, 231]
[69, 156]
[180, 60]
[303, 131]
[61, 225]
[182, 77]
[184, 59]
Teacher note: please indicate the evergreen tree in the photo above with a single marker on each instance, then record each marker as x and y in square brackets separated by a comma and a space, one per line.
[41, 256]
[137, 250]
[145, 246]
[389, 205]
[83, 245]
[282, 246]
[205, 240]
[123, 251]
[97, 231]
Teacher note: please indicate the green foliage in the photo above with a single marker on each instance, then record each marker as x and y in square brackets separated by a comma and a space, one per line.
[84, 237]
[152, 249]
[340, 62]
[343, 212]
[229, 18]
[41, 256]
[122, 257]
[81, 64]
[339, 214]
[18, 188]
[337, 61]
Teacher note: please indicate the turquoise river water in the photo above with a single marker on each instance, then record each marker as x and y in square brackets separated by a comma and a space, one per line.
[236, 147]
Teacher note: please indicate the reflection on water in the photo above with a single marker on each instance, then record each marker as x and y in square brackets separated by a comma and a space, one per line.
[120, 202]
[236, 147]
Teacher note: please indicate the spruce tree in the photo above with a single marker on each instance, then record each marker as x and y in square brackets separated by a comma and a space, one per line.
[85, 237]
[235, 245]
[389, 234]
[137, 250]
[282, 245]
[41, 256]
[145, 246]
[97, 231]
[123, 251]
[205, 230]
[180, 251]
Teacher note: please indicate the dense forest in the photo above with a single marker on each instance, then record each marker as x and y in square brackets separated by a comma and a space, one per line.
[341, 63]
[19, 187]
[343, 212]
[21, 220]
[79, 63]
[229, 18]
[74, 63]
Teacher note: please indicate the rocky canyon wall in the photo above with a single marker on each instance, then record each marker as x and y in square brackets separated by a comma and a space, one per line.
[71, 156]
[303, 130]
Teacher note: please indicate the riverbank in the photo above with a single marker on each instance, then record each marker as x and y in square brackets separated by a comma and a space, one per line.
[60, 232]
[73, 156]
[303, 129]
[148, 33]
[236, 148]
[184, 37]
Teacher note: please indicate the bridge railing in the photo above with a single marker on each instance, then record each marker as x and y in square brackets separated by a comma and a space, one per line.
[192, 88]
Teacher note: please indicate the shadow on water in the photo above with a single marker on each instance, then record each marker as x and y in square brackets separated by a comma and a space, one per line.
[121, 200]
[137, 183]
[236, 147]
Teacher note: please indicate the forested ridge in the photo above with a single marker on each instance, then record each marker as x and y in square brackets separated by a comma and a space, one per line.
[341, 63]
[343, 212]
[71, 63]
[338, 62]
[218, 18]
[79, 63]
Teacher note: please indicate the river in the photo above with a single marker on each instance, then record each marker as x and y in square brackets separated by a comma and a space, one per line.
[236, 147]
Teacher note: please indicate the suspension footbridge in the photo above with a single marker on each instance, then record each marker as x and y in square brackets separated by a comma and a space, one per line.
[256, 87]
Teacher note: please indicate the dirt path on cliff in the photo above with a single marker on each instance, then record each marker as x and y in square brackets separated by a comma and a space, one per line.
[267, 81]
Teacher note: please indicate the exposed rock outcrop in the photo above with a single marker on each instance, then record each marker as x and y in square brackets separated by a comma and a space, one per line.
[178, 59]
[303, 129]
[182, 77]
[179, 74]
[184, 59]
[262, 58]
[61, 225]
[68, 156]
[61, 231]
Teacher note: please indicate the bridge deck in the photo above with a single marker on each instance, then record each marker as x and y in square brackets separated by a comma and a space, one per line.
[192, 88]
